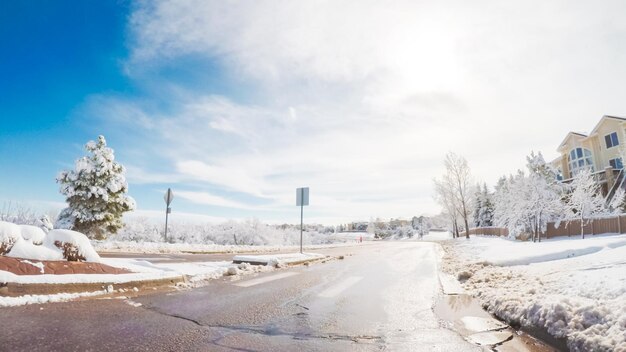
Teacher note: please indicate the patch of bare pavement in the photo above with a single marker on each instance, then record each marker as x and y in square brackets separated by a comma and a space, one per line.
[379, 297]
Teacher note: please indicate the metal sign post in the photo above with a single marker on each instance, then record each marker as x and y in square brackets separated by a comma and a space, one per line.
[169, 196]
[302, 199]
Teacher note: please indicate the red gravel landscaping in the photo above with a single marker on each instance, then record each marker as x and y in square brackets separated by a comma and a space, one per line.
[19, 266]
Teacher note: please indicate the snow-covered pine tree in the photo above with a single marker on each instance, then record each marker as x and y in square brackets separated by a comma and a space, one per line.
[483, 210]
[95, 192]
[486, 216]
[478, 205]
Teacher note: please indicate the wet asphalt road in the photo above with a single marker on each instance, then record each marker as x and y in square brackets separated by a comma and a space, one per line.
[379, 297]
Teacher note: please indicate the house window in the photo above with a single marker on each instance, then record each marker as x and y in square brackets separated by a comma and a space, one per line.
[611, 140]
[579, 159]
[616, 163]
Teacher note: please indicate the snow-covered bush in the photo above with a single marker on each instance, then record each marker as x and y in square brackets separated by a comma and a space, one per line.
[31, 242]
[75, 245]
[9, 235]
[17, 213]
[95, 192]
[248, 232]
[44, 223]
[27, 250]
[32, 233]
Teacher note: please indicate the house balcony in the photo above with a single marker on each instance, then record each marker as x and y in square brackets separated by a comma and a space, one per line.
[605, 178]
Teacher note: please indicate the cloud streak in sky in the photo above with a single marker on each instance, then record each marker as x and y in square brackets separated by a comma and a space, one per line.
[360, 100]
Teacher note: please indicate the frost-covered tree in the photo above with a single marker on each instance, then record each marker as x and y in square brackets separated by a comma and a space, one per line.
[545, 194]
[585, 199]
[445, 198]
[421, 226]
[95, 192]
[524, 204]
[459, 177]
[616, 205]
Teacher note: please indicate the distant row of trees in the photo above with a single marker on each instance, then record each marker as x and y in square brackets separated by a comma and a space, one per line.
[523, 203]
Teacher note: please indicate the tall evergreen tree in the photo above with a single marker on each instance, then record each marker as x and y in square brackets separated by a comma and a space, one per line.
[95, 192]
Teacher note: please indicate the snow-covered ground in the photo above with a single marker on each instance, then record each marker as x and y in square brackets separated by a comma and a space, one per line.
[161, 247]
[194, 273]
[569, 287]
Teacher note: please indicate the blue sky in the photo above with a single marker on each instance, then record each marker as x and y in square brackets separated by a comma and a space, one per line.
[235, 104]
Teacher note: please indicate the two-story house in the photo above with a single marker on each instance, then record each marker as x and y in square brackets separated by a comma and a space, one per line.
[599, 151]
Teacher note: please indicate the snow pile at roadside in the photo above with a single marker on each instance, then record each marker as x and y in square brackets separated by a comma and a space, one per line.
[278, 259]
[174, 248]
[40, 299]
[194, 270]
[581, 298]
[7, 277]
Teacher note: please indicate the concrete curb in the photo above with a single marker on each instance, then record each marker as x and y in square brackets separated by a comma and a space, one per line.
[14, 289]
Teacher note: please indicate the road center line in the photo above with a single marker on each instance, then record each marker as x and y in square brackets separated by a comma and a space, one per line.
[337, 289]
[263, 280]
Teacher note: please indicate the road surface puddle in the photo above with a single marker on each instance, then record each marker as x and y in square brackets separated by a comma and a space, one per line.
[463, 314]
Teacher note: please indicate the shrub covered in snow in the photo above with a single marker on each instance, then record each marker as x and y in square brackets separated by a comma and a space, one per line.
[249, 232]
[75, 245]
[27, 250]
[96, 192]
[18, 213]
[33, 234]
[31, 242]
[9, 235]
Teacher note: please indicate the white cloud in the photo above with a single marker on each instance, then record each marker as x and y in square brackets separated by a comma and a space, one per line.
[361, 100]
[210, 199]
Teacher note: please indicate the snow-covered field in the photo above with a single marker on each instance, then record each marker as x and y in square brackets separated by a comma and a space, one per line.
[569, 287]
[162, 247]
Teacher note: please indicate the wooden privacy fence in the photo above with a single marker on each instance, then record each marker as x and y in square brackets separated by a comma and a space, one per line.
[608, 225]
[615, 224]
[489, 231]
